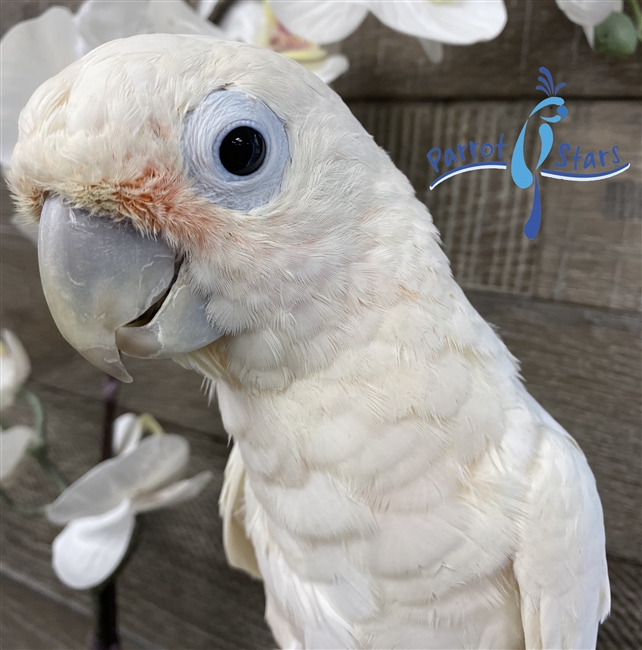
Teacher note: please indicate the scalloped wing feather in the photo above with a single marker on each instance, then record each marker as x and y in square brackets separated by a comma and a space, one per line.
[238, 548]
[560, 565]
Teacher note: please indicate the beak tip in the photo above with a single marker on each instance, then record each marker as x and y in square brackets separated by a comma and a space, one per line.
[106, 361]
[118, 373]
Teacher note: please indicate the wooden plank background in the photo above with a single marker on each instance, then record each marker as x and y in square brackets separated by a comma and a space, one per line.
[588, 249]
[567, 305]
[388, 65]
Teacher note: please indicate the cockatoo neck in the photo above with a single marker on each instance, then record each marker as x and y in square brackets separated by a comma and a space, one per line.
[340, 317]
[378, 362]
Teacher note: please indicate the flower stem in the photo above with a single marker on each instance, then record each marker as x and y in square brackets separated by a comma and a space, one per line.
[39, 450]
[42, 456]
[105, 636]
[220, 10]
[110, 400]
[38, 412]
[637, 14]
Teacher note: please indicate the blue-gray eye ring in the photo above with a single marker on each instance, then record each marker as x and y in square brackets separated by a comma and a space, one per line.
[235, 149]
[242, 151]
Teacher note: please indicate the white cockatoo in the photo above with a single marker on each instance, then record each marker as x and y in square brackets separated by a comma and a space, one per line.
[392, 482]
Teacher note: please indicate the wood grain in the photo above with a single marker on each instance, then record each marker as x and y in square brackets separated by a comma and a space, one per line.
[35, 618]
[387, 65]
[178, 591]
[589, 249]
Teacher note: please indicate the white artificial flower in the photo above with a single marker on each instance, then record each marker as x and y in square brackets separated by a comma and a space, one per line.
[14, 443]
[127, 432]
[589, 13]
[100, 508]
[252, 21]
[458, 22]
[14, 368]
[35, 50]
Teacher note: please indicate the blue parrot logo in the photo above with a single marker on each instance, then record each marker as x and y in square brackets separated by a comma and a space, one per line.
[519, 170]
[474, 157]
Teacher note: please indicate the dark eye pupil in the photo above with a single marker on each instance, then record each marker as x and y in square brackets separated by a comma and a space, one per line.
[242, 151]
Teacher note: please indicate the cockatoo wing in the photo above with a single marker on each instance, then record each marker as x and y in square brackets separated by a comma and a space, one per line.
[561, 565]
[238, 548]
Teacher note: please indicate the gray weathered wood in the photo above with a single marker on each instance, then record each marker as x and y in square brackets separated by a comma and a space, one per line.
[589, 249]
[34, 618]
[388, 65]
[178, 591]
[623, 629]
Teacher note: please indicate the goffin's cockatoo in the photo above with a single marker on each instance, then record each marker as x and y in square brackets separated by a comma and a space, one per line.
[392, 482]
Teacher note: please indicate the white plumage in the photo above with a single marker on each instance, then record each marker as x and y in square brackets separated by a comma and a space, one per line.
[392, 481]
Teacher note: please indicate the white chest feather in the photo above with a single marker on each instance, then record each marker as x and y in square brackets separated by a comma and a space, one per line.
[387, 492]
[367, 532]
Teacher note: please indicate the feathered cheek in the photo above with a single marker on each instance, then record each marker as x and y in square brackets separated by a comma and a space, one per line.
[164, 203]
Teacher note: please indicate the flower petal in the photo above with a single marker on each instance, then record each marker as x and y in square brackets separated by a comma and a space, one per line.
[14, 367]
[154, 463]
[13, 446]
[434, 50]
[127, 431]
[321, 22]
[331, 68]
[245, 21]
[177, 17]
[172, 494]
[101, 21]
[18, 354]
[90, 549]
[459, 22]
[589, 13]
[30, 53]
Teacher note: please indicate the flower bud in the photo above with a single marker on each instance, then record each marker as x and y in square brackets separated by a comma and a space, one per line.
[616, 36]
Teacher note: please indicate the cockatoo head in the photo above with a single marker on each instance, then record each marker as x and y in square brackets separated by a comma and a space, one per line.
[191, 190]
[562, 111]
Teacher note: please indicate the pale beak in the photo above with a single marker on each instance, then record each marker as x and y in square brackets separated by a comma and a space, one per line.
[111, 289]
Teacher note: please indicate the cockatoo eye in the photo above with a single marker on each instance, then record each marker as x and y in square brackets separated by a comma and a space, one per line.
[242, 151]
[235, 150]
